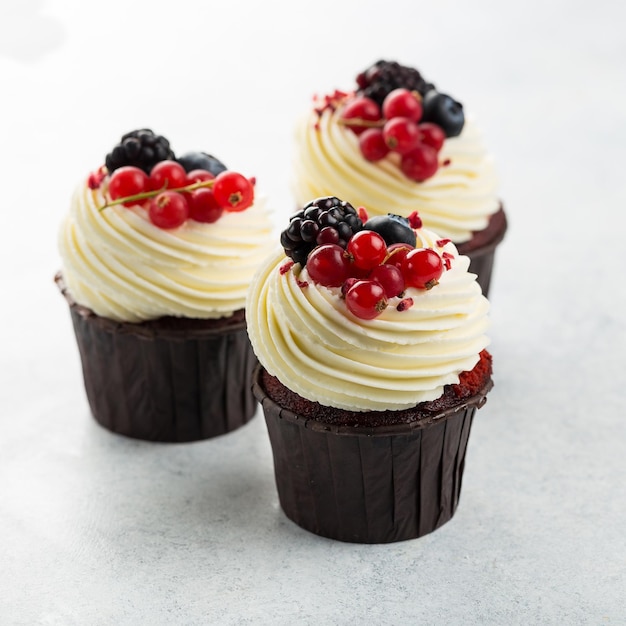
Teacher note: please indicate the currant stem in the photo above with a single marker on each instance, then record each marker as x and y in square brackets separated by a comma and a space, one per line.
[357, 121]
[144, 195]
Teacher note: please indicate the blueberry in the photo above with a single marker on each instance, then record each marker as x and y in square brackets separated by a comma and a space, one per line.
[446, 112]
[392, 228]
[201, 161]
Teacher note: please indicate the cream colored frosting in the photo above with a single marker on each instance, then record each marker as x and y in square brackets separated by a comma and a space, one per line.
[457, 200]
[117, 263]
[308, 339]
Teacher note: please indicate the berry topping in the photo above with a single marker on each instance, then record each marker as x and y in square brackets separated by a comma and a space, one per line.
[201, 161]
[233, 191]
[203, 207]
[444, 111]
[128, 181]
[358, 112]
[366, 249]
[372, 144]
[366, 299]
[379, 80]
[168, 210]
[139, 148]
[403, 103]
[432, 135]
[401, 134]
[168, 175]
[390, 278]
[420, 163]
[195, 176]
[328, 265]
[336, 220]
[392, 228]
[422, 268]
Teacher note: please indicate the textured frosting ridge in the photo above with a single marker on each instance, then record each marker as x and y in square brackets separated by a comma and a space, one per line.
[307, 338]
[456, 201]
[121, 266]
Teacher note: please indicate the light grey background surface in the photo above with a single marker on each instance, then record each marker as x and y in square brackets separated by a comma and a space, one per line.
[98, 529]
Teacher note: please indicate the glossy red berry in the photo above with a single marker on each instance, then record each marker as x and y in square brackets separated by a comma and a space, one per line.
[390, 278]
[367, 249]
[203, 207]
[197, 176]
[372, 144]
[401, 134]
[128, 181]
[432, 135]
[420, 164]
[233, 191]
[402, 103]
[422, 268]
[361, 109]
[366, 299]
[169, 209]
[167, 175]
[396, 253]
[327, 265]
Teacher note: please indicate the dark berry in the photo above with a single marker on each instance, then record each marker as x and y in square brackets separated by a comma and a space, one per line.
[383, 77]
[445, 111]
[392, 228]
[139, 148]
[326, 220]
[201, 161]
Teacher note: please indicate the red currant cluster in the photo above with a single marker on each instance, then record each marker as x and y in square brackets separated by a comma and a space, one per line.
[370, 272]
[396, 128]
[172, 195]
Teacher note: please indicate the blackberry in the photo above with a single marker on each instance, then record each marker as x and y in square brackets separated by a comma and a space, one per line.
[141, 148]
[324, 220]
[385, 76]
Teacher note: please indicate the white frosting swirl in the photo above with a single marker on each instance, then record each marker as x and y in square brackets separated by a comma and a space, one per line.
[456, 201]
[121, 266]
[308, 339]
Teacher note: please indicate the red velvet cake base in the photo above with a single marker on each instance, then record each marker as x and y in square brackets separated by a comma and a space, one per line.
[171, 379]
[390, 476]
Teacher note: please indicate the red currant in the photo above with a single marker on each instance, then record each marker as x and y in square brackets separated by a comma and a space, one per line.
[372, 144]
[197, 176]
[403, 103]
[401, 134]
[421, 163]
[168, 210]
[233, 191]
[396, 253]
[432, 135]
[203, 206]
[327, 265]
[367, 249]
[390, 278]
[422, 268]
[167, 175]
[366, 299]
[127, 181]
[361, 109]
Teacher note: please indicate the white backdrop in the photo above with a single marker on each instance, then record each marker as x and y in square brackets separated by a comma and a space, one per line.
[98, 529]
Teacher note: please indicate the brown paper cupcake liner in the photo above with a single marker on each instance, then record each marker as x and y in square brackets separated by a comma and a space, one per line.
[353, 485]
[184, 380]
[481, 249]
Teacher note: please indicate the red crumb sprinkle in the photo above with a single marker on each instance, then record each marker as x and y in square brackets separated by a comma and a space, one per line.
[405, 304]
[415, 221]
[447, 259]
[470, 383]
[362, 213]
[95, 178]
[446, 163]
[252, 180]
[302, 283]
[285, 267]
[442, 242]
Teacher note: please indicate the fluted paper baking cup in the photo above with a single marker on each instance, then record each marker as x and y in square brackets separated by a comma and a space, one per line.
[355, 485]
[182, 382]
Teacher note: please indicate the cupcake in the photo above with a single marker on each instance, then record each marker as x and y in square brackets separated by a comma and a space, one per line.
[394, 143]
[157, 254]
[370, 333]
